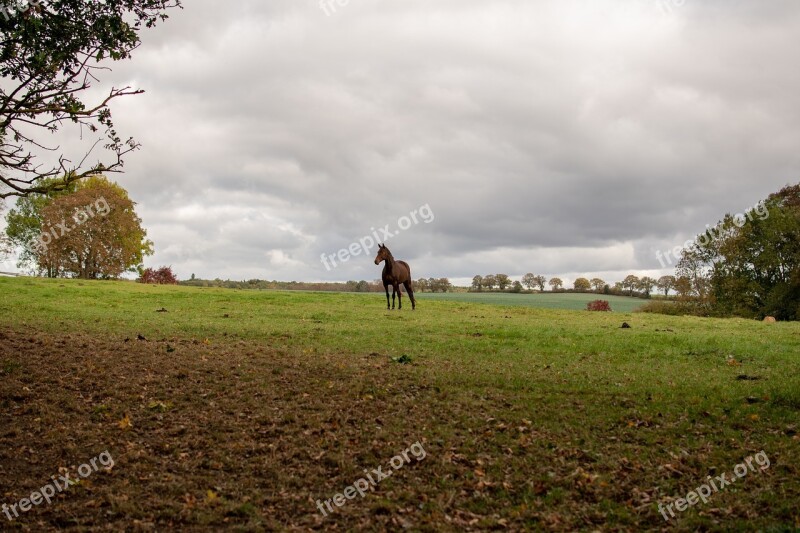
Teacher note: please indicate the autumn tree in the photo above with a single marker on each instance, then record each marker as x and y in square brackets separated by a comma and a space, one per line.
[50, 53]
[24, 223]
[630, 283]
[92, 233]
[477, 283]
[529, 280]
[503, 281]
[489, 281]
[683, 286]
[646, 284]
[666, 284]
[432, 284]
[582, 285]
[421, 285]
[443, 284]
[540, 282]
[556, 283]
[598, 284]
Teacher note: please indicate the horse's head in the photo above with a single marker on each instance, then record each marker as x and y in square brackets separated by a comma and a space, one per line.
[383, 254]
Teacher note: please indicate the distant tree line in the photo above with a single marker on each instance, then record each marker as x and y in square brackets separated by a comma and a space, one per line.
[630, 286]
[433, 285]
[421, 285]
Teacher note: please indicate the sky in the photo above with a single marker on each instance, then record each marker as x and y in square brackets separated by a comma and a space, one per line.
[564, 138]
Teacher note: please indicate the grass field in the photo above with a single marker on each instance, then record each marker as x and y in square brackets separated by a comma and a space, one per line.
[239, 410]
[547, 300]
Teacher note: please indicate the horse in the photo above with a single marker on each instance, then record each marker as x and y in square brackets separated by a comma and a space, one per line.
[395, 273]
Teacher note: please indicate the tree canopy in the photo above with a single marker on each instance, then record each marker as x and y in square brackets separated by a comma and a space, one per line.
[90, 232]
[50, 54]
[749, 265]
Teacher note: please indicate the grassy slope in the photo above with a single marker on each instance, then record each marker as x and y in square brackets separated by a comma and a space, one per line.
[531, 418]
[573, 301]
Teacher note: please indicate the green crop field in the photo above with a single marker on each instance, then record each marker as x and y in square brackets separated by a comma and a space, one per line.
[256, 410]
[548, 300]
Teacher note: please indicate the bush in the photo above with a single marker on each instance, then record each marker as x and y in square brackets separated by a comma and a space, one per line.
[162, 276]
[674, 308]
[598, 305]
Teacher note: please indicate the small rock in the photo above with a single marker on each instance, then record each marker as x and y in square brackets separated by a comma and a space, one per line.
[625, 325]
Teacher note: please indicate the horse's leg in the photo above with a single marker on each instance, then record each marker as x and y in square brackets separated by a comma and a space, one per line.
[410, 292]
[399, 296]
[386, 286]
[394, 294]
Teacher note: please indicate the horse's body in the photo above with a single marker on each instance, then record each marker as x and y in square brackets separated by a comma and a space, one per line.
[394, 274]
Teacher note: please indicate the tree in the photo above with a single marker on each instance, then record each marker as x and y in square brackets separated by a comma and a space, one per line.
[50, 52]
[749, 264]
[6, 247]
[646, 285]
[683, 286]
[24, 222]
[630, 283]
[91, 233]
[443, 284]
[516, 286]
[502, 281]
[666, 284]
[421, 285]
[529, 280]
[489, 281]
[477, 283]
[556, 283]
[540, 281]
[582, 285]
[598, 284]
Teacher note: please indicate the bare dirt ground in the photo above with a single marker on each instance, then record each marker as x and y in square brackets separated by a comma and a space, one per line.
[237, 435]
[205, 436]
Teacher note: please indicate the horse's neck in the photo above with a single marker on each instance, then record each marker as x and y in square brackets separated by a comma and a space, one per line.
[390, 262]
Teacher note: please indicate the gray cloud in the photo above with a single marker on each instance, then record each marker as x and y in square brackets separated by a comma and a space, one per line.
[550, 137]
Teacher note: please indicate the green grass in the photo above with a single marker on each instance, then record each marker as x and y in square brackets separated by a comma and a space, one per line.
[547, 300]
[532, 418]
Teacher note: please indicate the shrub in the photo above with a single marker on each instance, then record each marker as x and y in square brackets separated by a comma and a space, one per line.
[673, 308]
[598, 305]
[162, 276]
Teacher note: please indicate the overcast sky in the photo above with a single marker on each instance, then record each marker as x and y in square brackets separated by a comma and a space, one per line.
[563, 137]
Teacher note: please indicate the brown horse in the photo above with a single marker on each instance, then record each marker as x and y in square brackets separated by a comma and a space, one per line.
[395, 273]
